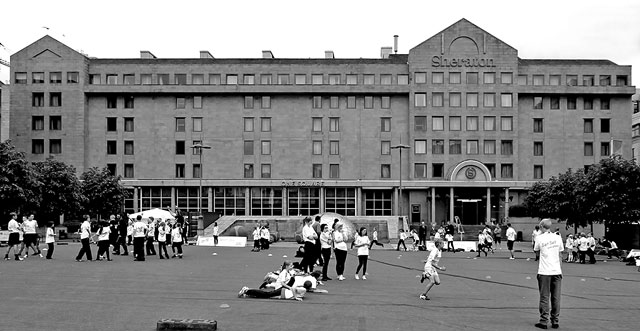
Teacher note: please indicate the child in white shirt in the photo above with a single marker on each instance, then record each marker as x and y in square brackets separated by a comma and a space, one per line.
[50, 240]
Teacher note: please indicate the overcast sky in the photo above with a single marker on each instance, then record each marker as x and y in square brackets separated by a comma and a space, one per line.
[585, 29]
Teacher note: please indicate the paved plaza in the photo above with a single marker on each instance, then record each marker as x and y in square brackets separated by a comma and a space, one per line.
[492, 293]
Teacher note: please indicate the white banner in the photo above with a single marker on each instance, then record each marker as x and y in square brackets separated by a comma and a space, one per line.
[223, 241]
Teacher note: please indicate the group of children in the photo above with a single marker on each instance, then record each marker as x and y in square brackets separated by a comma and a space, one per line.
[261, 237]
[28, 230]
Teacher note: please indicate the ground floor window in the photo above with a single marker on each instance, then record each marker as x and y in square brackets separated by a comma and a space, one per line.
[340, 200]
[304, 201]
[155, 197]
[187, 198]
[377, 203]
[229, 200]
[266, 201]
[129, 202]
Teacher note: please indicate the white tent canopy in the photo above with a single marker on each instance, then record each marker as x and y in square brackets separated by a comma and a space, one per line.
[156, 213]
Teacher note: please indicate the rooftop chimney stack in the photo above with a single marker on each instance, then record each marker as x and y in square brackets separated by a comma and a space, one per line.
[147, 55]
[206, 55]
[395, 44]
[384, 52]
[267, 55]
[329, 55]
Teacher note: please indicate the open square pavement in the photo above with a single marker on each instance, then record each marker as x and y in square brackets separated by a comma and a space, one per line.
[492, 293]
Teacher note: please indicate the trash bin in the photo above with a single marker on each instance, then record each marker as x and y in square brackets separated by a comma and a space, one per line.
[62, 234]
[519, 236]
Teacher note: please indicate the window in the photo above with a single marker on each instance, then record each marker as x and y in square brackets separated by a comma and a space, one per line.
[472, 147]
[437, 99]
[265, 102]
[554, 103]
[265, 124]
[112, 79]
[588, 125]
[420, 77]
[37, 146]
[385, 147]
[248, 124]
[248, 147]
[377, 202]
[334, 102]
[492, 169]
[37, 78]
[605, 124]
[506, 100]
[352, 79]
[420, 123]
[21, 78]
[163, 79]
[316, 79]
[128, 102]
[316, 147]
[196, 150]
[455, 78]
[537, 102]
[55, 146]
[437, 77]
[265, 148]
[248, 80]
[368, 102]
[197, 102]
[587, 80]
[455, 100]
[316, 170]
[472, 123]
[489, 78]
[538, 80]
[179, 170]
[334, 147]
[37, 99]
[232, 80]
[317, 102]
[506, 123]
[265, 170]
[489, 147]
[554, 80]
[95, 79]
[128, 124]
[334, 79]
[420, 170]
[437, 146]
[455, 123]
[506, 170]
[283, 79]
[214, 79]
[537, 172]
[300, 79]
[506, 147]
[112, 102]
[403, 79]
[489, 99]
[128, 170]
[385, 124]
[55, 99]
[334, 124]
[197, 124]
[180, 124]
[128, 147]
[622, 80]
[37, 123]
[334, 171]
[420, 99]
[55, 77]
[420, 146]
[181, 103]
[588, 103]
[180, 147]
[351, 102]
[437, 170]
[385, 79]
[604, 149]
[129, 79]
[506, 78]
[455, 146]
[55, 123]
[522, 79]
[112, 124]
[265, 79]
[588, 149]
[538, 148]
[197, 171]
[112, 168]
[385, 102]
[437, 123]
[472, 78]
[112, 147]
[316, 124]
[385, 171]
[571, 103]
[197, 79]
[489, 123]
[538, 125]
[605, 103]
[472, 99]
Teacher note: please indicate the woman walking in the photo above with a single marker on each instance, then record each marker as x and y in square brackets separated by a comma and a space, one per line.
[430, 266]
[362, 243]
[340, 250]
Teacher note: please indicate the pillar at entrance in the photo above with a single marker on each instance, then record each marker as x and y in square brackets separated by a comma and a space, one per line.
[136, 206]
[433, 205]
[451, 202]
[506, 203]
[488, 217]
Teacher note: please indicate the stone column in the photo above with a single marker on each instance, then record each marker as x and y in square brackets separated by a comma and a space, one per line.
[506, 202]
[433, 204]
[451, 202]
[322, 198]
[136, 201]
[488, 217]
[395, 202]
[173, 198]
[210, 199]
[359, 210]
[247, 201]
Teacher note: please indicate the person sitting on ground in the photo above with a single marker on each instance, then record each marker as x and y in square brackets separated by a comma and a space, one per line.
[284, 281]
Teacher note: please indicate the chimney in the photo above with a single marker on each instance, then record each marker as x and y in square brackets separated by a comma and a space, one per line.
[329, 55]
[147, 55]
[267, 55]
[395, 44]
[384, 52]
[205, 55]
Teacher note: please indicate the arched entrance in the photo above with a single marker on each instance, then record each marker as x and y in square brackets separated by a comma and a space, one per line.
[471, 200]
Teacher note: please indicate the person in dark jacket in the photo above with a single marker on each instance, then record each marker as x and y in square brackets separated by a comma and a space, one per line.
[422, 234]
[122, 234]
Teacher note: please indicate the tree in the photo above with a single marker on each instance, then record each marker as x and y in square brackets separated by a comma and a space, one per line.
[19, 183]
[60, 192]
[104, 193]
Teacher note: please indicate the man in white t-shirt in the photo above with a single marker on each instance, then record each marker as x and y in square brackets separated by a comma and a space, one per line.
[550, 247]
[85, 234]
[139, 233]
[511, 238]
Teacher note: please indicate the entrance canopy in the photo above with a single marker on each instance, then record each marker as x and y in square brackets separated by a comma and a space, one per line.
[470, 171]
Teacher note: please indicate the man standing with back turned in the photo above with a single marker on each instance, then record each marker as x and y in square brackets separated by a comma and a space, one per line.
[550, 247]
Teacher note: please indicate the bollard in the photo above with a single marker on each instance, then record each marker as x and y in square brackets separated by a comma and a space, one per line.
[172, 324]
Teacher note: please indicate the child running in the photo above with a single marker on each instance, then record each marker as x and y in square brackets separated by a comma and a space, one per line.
[430, 267]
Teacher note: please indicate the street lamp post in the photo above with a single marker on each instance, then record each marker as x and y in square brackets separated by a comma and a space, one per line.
[199, 147]
[400, 147]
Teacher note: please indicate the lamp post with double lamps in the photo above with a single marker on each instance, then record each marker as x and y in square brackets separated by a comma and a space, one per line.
[400, 147]
[198, 148]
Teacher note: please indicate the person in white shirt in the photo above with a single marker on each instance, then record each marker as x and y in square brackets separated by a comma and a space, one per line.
[481, 243]
[162, 240]
[374, 234]
[85, 235]
[309, 237]
[104, 242]
[534, 234]
[550, 247]
[50, 240]
[256, 239]
[362, 244]
[176, 239]
[130, 232]
[326, 241]
[401, 240]
[511, 238]
[265, 236]
[14, 238]
[339, 249]
[612, 249]
[569, 247]
[430, 266]
[139, 234]
[151, 231]
[30, 237]
[284, 282]
[583, 246]
[591, 250]
[215, 233]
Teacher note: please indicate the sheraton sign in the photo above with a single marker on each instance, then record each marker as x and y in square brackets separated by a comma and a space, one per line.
[439, 61]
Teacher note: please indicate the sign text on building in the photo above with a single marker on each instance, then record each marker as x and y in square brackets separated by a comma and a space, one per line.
[439, 61]
[303, 183]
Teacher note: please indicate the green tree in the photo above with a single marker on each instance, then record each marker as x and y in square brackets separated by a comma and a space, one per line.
[19, 183]
[104, 193]
[60, 192]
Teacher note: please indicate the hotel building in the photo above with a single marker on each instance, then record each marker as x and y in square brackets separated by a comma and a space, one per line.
[304, 136]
